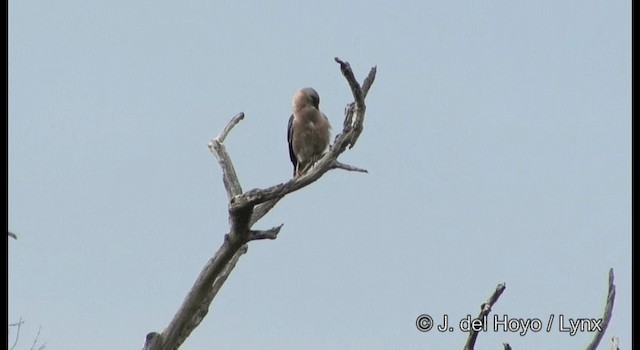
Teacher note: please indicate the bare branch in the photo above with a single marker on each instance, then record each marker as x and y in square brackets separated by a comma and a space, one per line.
[271, 233]
[485, 308]
[36, 340]
[17, 324]
[235, 120]
[338, 165]
[347, 124]
[227, 270]
[196, 303]
[216, 146]
[368, 81]
[262, 209]
[152, 340]
[257, 196]
[351, 79]
[354, 125]
[608, 309]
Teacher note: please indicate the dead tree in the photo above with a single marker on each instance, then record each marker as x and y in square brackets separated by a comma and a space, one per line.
[599, 331]
[246, 208]
[18, 325]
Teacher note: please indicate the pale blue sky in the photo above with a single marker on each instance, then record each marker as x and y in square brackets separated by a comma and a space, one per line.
[498, 140]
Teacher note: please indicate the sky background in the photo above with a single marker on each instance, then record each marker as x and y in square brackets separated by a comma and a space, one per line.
[497, 137]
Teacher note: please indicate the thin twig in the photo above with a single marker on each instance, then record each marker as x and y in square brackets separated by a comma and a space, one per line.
[18, 324]
[608, 309]
[347, 167]
[36, 340]
[485, 308]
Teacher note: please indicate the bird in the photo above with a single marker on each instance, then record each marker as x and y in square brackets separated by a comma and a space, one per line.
[308, 132]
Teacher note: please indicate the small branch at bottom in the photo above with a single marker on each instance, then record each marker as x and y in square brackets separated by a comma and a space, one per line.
[271, 233]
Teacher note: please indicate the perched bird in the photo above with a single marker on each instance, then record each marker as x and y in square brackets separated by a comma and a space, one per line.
[309, 131]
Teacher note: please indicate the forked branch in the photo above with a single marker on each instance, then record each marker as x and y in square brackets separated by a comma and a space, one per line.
[246, 208]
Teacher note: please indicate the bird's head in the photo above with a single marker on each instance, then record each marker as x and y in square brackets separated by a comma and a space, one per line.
[306, 96]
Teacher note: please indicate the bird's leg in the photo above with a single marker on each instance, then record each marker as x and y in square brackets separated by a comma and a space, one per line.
[297, 171]
[301, 168]
[317, 158]
[306, 168]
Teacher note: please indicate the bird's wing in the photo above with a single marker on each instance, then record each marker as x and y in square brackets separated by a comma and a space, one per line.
[292, 155]
[327, 119]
